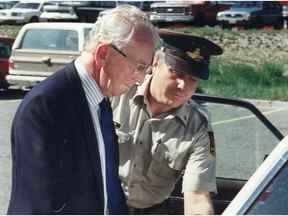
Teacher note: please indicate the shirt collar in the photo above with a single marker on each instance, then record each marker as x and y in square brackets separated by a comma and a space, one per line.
[140, 98]
[91, 88]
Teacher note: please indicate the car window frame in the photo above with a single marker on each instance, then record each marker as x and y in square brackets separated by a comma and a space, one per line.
[221, 200]
[244, 104]
[259, 180]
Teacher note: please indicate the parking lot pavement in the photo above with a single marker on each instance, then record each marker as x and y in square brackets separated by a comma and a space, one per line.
[277, 112]
[7, 110]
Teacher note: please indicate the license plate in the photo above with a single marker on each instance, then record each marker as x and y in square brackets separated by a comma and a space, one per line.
[232, 21]
[169, 19]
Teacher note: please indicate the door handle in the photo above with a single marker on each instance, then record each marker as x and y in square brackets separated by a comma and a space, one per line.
[47, 61]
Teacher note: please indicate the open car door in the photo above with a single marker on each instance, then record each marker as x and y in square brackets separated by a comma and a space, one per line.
[244, 137]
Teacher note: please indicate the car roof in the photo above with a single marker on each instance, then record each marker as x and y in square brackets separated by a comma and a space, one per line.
[4, 1]
[57, 25]
[34, 1]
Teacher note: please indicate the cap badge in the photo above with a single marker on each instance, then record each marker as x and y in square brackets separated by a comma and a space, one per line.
[195, 55]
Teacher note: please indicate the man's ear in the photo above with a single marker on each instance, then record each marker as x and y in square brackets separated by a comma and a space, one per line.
[101, 54]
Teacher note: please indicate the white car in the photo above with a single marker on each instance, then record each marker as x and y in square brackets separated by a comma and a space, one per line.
[40, 49]
[252, 14]
[23, 12]
[58, 12]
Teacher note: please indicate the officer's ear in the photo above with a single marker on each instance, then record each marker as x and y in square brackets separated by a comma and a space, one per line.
[156, 60]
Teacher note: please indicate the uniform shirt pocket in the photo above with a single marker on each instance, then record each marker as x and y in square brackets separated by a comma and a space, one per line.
[172, 152]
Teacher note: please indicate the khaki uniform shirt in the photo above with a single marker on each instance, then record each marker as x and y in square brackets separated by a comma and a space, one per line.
[155, 151]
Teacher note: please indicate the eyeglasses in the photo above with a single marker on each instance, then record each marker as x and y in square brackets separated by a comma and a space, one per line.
[140, 67]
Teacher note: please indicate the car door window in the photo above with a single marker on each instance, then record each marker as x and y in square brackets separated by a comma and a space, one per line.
[5, 50]
[242, 141]
[108, 4]
[273, 199]
[86, 33]
[27, 5]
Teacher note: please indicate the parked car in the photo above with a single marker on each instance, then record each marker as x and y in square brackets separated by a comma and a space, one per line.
[58, 12]
[88, 11]
[42, 48]
[197, 12]
[245, 160]
[143, 5]
[23, 12]
[5, 52]
[252, 14]
[7, 4]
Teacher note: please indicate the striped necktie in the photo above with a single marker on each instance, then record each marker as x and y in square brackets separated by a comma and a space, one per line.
[116, 198]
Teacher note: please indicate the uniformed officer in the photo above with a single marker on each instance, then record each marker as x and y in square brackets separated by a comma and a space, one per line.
[163, 133]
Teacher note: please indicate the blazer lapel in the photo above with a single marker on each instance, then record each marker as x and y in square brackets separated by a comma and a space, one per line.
[84, 118]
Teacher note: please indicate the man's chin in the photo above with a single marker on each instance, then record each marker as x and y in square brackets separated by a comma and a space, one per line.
[121, 91]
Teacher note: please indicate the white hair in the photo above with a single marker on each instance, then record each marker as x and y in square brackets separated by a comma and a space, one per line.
[117, 27]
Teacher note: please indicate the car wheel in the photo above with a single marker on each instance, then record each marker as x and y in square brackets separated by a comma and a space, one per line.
[224, 25]
[34, 19]
[199, 20]
[279, 24]
[161, 24]
[4, 85]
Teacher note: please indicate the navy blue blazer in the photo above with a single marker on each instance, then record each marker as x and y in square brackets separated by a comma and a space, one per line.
[55, 157]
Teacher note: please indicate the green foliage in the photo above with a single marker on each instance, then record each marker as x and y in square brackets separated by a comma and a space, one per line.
[9, 30]
[245, 81]
[207, 31]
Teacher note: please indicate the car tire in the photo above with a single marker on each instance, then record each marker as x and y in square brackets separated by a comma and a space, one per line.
[199, 20]
[4, 85]
[34, 19]
[224, 25]
[279, 24]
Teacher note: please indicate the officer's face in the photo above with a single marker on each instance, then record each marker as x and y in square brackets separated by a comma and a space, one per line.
[174, 88]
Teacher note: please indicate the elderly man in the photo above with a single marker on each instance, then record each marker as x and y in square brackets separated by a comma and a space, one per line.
[65, 159]
[162, 133]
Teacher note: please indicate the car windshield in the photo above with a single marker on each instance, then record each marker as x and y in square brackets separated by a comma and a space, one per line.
[138, 4]
[5, 50]
[6, 5]
[27, 5]
[250, 4]
[51, 39]
[58, 9]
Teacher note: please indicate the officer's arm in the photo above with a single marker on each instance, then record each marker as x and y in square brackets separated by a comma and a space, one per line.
[196, 203]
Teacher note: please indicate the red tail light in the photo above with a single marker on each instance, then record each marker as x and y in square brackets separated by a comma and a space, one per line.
[11, 64]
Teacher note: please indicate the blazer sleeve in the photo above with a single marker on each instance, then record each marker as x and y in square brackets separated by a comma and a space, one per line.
[37, 151]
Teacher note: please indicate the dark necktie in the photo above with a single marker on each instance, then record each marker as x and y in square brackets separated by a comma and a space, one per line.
[115, 196]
